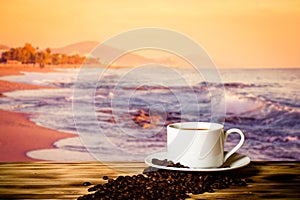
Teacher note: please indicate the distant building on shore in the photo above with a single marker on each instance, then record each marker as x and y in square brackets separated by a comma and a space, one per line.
[14, 62]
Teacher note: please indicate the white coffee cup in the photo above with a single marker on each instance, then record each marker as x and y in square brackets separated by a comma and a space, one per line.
[199, 144]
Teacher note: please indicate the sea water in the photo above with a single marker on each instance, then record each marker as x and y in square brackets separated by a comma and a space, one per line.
[132, 108]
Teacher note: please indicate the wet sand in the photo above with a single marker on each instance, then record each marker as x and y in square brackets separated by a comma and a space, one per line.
[8, 70]
[18, 134]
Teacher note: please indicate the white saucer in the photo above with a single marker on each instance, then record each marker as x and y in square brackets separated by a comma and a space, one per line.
[234, 162]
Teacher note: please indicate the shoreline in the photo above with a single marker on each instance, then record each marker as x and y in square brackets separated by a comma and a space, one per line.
[19, 135]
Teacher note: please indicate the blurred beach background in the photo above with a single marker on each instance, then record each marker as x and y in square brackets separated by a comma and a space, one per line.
[255, 46]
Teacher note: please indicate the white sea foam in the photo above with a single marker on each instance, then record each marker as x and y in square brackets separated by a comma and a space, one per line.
[60, 155]
[238, 104]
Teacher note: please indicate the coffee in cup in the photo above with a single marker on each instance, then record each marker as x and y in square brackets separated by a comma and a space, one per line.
[200, 144]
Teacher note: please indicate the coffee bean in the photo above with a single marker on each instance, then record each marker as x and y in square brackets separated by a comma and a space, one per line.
[86, 184]
[248, 180]
[110, 180]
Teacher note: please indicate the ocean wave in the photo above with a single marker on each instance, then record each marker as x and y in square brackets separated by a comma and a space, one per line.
[240, 85]
[266, 111]
[71, 144]
[250, 109]
[285, 139]
[235, 85]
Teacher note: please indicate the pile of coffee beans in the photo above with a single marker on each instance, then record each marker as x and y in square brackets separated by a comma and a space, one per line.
[167, 163]
[161, 184]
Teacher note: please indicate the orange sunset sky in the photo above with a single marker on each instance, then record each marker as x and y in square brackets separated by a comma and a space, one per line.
[235, 33]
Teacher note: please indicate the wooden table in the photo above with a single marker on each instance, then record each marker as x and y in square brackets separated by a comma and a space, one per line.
[54, 180]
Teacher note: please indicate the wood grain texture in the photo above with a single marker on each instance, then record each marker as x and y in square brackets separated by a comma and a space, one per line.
[53, 180]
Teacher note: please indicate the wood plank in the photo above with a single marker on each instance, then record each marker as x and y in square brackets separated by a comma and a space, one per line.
[271, 180]
[55, 180]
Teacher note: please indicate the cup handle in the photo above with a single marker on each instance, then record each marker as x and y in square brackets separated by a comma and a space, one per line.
[239, 145]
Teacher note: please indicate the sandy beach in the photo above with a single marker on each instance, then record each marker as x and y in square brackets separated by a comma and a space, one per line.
[9, 70]
[18, 134]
